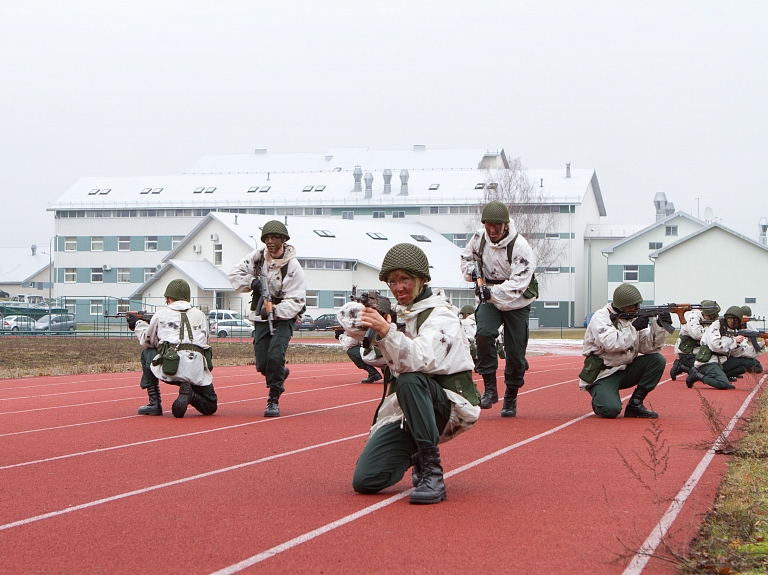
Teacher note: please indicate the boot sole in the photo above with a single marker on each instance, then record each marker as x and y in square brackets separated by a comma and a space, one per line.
[416, 501]
[632, 416]
[508, 414]
[179, 407]
[150, 412]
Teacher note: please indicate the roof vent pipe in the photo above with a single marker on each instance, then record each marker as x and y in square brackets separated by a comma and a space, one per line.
[403, 182]
[261, 150]
[34, 249]
[235, 219]
[670, 209]
[368, 184]
[660, 201]
[541, 185]
[763, 225]
[567, 169]
[387, 175]
[358, 174]
[419, 147]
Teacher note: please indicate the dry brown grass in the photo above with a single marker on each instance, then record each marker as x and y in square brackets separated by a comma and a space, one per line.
[36, 356]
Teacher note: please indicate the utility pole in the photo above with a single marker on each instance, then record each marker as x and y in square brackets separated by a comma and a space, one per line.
[697, 207]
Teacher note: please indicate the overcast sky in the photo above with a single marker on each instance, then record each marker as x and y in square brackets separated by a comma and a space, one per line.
[654, 95]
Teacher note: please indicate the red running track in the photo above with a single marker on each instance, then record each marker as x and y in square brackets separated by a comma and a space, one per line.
[86, 486]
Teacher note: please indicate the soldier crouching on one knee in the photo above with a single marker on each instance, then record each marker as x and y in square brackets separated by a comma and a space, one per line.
[622, 353]
[176, 350]
[431, 396]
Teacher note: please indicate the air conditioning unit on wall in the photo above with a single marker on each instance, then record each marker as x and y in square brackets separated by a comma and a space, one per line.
[106, 267]
[214, 237]
[197, 248]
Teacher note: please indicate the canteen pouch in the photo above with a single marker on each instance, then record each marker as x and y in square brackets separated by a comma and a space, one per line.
[168, 357]
[533, 288]
[687, 344]
[460, 383]
[593, 365]
[208, 354]
[704, 355]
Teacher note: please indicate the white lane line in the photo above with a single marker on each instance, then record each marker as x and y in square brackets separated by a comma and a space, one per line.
[180, 436]
[70, 425]
[640, 560]
[175, 482]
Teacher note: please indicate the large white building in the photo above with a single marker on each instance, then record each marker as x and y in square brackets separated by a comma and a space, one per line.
[114, 233]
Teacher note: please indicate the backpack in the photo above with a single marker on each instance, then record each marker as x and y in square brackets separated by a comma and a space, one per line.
[532, 291]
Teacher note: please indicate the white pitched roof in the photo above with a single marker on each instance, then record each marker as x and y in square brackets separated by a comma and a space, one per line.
[18, 265]
[609, 249]
[656, 253]
[202, 273]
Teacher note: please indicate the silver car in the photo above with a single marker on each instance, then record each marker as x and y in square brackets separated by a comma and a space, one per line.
[17, 323]
[57, 322]
[233, 328]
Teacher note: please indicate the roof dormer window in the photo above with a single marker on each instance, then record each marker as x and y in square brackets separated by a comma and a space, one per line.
[210, 190]
[479, 186]
[93, 192]
[198, 191]
[420, 238]
[146, 190]
[434, 186]
[265, 189]
[376, 236]
[319, 188]
[157, 190]
[253, 189]
[104, 191]
[324, 233]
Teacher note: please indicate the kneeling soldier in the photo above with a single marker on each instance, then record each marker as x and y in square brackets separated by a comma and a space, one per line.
[431, 396]
[176, 350]
[688, 342]
[716, 345]
[622, 353]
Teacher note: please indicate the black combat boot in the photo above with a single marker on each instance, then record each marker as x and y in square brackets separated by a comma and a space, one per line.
[272, 408]
[677, 369]
[490, 395]
[635, 407]
[694, 375]
[431, 487]
[373, 375]
[154, 407]
[179, 407]
[509, 407]
[415, 469]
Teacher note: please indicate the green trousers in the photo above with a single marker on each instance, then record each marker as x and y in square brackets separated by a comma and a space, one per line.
[489, 319]
[645, 373]
[387, 455]
[270, 351]
[205, 401]
[734, 366]
[713, 375]
[687, 359]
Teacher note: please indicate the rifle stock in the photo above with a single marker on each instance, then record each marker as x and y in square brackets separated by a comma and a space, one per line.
[143, 314]
[372, 299]
[678, 309]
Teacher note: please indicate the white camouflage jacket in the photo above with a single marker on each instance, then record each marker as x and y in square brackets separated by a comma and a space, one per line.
[292, 289]
[469, 326]
[516, 276]
[745, 348]
[721, 346]
[619, 343]
[692, 328]
[165, 326]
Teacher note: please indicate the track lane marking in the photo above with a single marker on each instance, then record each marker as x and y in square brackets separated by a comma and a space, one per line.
[641, 558]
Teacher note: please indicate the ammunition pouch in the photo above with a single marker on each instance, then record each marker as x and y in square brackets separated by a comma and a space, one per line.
[532, 291]
[687, 344]
[460, 383]
[168, 358]
[593, 365]
[704, 355]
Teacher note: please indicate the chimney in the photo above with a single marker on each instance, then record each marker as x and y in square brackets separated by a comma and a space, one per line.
[403, 182]
[260, 151]
[660, 201]
[387, 175]
[368, 184]
[763, 226]
[419, 147]
[670, 209]
[541, 185]
[34, 249]
[567, 169]
[358, 174]
[235, 219]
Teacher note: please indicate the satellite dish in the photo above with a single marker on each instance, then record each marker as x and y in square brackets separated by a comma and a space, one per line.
[708, 215]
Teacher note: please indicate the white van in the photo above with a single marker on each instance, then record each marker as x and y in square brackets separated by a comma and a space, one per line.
[219, 314]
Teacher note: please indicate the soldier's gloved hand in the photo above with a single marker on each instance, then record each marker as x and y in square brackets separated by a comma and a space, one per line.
[665, 318]
[256, 287]
[337, 333]
[474, 275]
[640, 323]
[483, 292]
[131, 320]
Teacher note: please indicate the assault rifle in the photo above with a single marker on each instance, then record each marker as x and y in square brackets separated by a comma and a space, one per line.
[678, 309]
[143, 314]
[751, 335]
[373, 299]
[264, 303]
[480, 278]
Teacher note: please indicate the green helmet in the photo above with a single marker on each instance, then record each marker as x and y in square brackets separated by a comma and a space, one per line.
[276, 228]
[709, 307]
[626, 295]
[495, 212]
[467, 309]
[178, 290]
[405, 257]
[746, 310]
[733, 311]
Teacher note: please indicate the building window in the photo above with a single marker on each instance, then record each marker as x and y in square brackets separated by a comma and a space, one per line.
[217, 254]
[631, 273]
[420, 238]
[307, 188]
[398, 214]
[70, 275]
[146, 190]
[250, 190]
[124, 243]
[654, 245]
[265, 189]
[551, 304]
[479, 185]
[461, 239]
[338, 298]
[671, 231]
[347, 215]
[70, 244]
[123, 275]
[750, 300]
[311, 298]
[320, 188]
[71, 306]
[97, 243]
[552, 236]
[324, 233]
[175, 241]
[552, 270]
[97, 307]
[434, 186]
[150, 243]
[198, 190]
[376, 235]
[123, 306]
[148, 273]
[97, 275]
[378, 215]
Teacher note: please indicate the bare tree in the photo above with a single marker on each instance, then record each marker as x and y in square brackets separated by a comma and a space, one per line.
[528, 208]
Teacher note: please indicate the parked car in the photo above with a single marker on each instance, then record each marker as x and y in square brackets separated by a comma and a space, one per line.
[306, 322]
[57, 322]
[588, 318]
[4, 294]
[30, 299]
[233, 328]
[17, 323]
[326, 321]
[217, 314]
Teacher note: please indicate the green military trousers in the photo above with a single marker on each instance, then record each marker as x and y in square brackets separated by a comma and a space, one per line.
[489, 319]
[205, 400]
[734, 366]
[644, 372]
[270, 351]
[387, 455]
[687, 359]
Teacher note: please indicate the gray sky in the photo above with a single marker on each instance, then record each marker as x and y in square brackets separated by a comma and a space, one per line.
[655, 95]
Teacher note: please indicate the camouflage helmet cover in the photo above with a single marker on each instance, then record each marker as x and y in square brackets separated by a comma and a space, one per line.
[495, 212]
[273, 227]
[626, 295]
[408, 258]
[178, 290]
